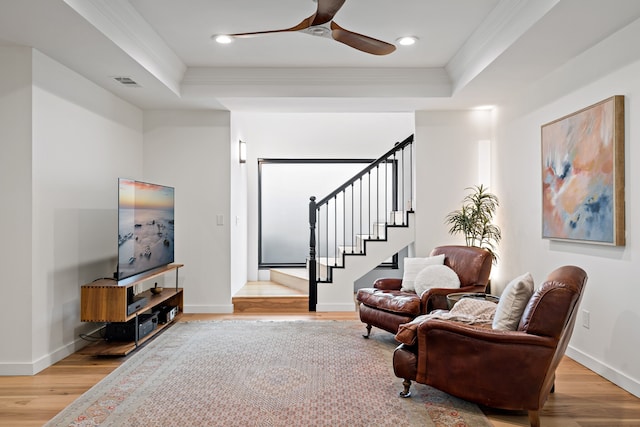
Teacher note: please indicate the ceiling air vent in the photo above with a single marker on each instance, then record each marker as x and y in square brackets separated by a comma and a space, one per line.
[126, 81]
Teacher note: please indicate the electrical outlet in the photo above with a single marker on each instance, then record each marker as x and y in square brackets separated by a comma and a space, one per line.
[585, 319]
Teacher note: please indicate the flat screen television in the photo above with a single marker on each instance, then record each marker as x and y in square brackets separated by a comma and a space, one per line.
[145, 227]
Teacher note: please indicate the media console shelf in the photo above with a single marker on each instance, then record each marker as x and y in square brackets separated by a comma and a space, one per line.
[106, 301]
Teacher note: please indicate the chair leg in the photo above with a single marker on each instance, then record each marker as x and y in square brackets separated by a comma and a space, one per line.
[368, 332]
[406, 392]
[534, 418]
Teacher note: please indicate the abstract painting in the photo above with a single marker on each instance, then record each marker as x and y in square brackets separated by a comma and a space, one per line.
[583, 175]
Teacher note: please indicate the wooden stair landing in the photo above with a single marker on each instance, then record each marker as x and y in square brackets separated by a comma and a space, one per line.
[269, 297]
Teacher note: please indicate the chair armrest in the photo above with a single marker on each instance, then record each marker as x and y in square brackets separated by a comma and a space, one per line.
[436, 298]
[388, 284]
[458, 330]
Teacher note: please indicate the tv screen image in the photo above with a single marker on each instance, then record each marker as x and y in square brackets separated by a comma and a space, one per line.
[145, 227]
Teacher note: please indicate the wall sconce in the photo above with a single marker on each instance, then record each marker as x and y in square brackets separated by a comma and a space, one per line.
[243, 151]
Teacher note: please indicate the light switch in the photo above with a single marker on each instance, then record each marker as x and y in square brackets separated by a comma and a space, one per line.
[220, 219]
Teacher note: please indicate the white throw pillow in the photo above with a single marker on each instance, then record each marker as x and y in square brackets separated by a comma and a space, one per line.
[412, 266]
[512, 303]
[436, 276]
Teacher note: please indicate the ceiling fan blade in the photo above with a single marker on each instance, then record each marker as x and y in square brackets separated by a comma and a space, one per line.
[301, 26]
[361, 42]
[326, 11]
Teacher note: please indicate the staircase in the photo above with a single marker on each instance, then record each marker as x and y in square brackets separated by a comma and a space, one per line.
[270, 297]
[288, 288]
[293, 278]
[354, 229]
[335, 292]
[358, 226]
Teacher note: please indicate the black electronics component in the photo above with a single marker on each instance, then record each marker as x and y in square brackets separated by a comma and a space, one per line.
[126, 331]
[135, 303]
[167, 314]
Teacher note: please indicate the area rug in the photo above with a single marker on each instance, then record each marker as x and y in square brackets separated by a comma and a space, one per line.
[264, 373]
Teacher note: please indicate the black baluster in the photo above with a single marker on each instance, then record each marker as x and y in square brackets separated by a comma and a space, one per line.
[313, 282]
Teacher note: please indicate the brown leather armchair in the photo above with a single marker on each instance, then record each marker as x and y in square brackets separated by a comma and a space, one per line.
[386, 307]
[512, 370]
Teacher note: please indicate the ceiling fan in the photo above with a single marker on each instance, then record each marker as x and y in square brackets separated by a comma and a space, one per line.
[322, 24]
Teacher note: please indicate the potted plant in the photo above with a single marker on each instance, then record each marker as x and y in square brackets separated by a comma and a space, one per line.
[475, 219]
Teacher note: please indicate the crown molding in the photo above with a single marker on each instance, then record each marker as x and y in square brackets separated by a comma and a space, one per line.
[119, 21]
[322, 82]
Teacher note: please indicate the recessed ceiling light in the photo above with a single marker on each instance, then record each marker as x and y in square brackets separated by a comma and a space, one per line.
[222, 38]
[407, 41]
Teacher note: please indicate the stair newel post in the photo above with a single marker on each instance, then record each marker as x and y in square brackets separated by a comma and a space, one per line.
[313, 283]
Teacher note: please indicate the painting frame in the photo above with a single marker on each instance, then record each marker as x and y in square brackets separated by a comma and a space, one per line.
[583, 175]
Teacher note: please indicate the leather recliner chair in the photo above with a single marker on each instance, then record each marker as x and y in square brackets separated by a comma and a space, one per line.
[513, 370]
[385, 306]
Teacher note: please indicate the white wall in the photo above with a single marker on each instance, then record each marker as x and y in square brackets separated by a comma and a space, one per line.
[15, 215]
[68, 141]
[190, 151]
[81, 139]
[446, 164]
[305, 135]
[611, 344]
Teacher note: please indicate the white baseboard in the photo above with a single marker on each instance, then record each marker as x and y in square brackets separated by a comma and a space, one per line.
[219, 308]
[13, 369]
[324, 308]
[32, 368]
[618, 378]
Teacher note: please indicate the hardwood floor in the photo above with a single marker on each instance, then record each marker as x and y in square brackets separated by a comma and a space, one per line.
[582, 398]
